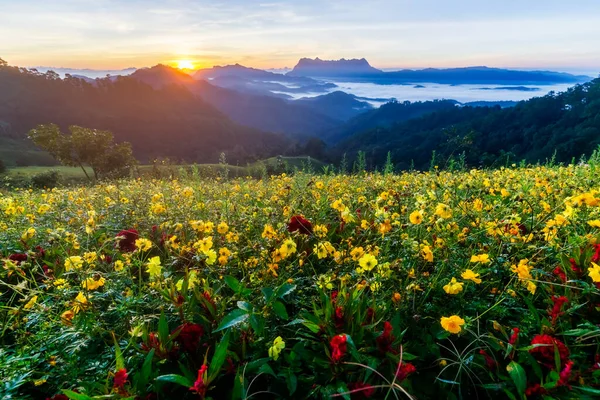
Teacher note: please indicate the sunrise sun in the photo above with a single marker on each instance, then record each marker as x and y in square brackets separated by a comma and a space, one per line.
[185, 64]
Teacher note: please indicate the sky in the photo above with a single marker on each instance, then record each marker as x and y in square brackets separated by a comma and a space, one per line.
[114, 34]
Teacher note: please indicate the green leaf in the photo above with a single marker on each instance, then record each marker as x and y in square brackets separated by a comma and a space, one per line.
[146, 371]
[517, 373]
[233, 283]
[586, 389]
[312, 326]
[292, 382]
[254, 365]
[257, 323]
[174, 378]
[280, 311]
[76, 396]
[407, 356]
[238, 386]
[342, 388]
[218, 358]
[268, 294]
[244, 305]
[266, 369]
[118, 354]
[163, 328]
[284, 290]
[234, 318]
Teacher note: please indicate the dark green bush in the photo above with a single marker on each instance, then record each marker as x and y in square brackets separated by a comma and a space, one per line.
[46, 180]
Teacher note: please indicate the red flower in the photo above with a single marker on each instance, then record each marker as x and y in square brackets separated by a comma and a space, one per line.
[18, 258]
[574, 266]
[385, 340]
[338, 347]
[370, 317]
[127, 243]
[120, 379]
[596, 256]
[565, 374]
[514, 337]
[404, 370]
[338, 317]
[189, 336]
[545, 352]
[558, 271]
[199, 386]
[360, 390]
[558, 301]
[299, 224]
[535, 390]
[334, 296]
[489, 361]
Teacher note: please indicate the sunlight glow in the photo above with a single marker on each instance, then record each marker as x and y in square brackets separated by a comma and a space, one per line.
[185, 64]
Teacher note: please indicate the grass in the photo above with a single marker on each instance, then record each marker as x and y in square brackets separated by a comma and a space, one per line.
[254, 169]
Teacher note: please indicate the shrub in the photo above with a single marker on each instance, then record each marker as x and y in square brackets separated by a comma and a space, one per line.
[45, 180]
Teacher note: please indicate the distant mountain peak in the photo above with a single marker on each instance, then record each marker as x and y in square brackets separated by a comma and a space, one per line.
[342, 67]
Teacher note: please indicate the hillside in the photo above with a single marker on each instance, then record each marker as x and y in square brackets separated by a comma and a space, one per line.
[385, 116]
[338, 105]
[166, 121]
[566, 123]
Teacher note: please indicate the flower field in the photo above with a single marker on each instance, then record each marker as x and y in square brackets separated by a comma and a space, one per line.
[477, 284]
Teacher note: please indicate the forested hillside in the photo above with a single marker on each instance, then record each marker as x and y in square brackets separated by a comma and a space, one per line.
[166, 122]
[563, 125]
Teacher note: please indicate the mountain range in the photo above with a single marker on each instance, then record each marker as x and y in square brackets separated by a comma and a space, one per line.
[166, 112]
[362, 71]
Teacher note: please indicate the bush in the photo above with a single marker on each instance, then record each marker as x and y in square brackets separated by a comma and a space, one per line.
[45, 180]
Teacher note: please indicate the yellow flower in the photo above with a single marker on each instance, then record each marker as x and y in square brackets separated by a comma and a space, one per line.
[287, 248]
[30, 303]
[61, 283]
[454, 287]
[452, 324]
[367, 262]
[427, 254]
[93, 284]
[143, 244]
[119, 265]
[205, 244]
[594, 272]
[28, 234]
[595, 223]
[531, 287]
[73, 262]
[443, 211]
[80, 303]
[522, 270]
[90, 257]
[269, 232]
[67, 316]
[211, 257]
[481, 258]
[154, 266]
[222, 228]
[356, 253]
[416, 217]
[471, 276]
[278, 346]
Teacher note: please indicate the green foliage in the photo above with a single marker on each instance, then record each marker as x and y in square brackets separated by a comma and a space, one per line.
[2, 167]
[45, 180]
[553, 128]
[85, 146]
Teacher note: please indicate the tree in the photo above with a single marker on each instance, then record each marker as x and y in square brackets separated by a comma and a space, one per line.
[85, 146]
[2, 167]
